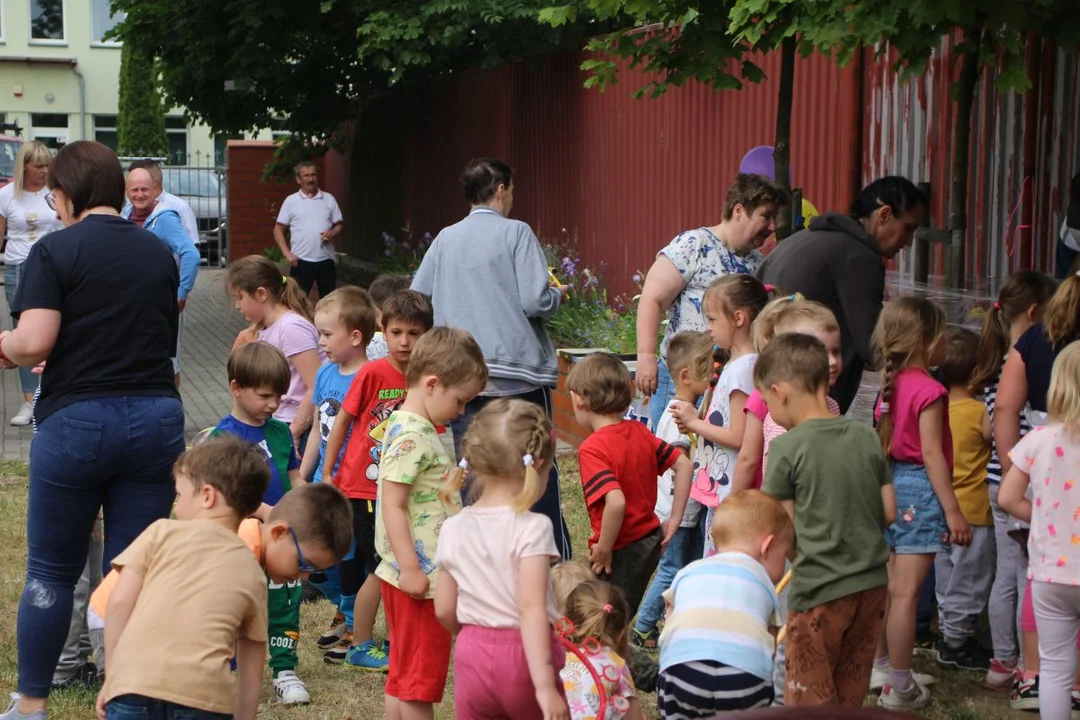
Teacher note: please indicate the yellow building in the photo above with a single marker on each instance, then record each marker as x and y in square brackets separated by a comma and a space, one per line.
[59, 79]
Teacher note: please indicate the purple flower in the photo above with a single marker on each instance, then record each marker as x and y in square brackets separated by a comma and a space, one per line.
[637, 278]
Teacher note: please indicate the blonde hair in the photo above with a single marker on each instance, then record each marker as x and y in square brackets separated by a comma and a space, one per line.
[1061, 321]
[1024, 289]
[599, 610]
[747, 514]
[908, 327]
[566, 576]
[248, 274]
[764, 326]
[32, 152]
[355, 309]
[451, 355]
[805, 311]
[508, 439]
[602, 381]
[692, 351]
[1063, 398]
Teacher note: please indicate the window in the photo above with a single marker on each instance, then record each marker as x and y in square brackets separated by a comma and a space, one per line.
[105, 130]
[49, 128]
[47, 20]
[278, 129]
[102, 20]
[176, 130]
[221, 142]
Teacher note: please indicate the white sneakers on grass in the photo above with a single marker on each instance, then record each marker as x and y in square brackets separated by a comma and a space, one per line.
[291, 689]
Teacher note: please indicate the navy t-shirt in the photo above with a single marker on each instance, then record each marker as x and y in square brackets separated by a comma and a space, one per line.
[1038, 356]
[115, 287]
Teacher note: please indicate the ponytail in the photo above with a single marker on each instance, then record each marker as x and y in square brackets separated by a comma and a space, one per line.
[451, 489]
[1022, 291]
[885, 421]
[764, 327]
[294, 298]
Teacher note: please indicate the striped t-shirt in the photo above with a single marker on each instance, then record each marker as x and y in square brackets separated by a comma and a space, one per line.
[993, 468]
[721, 610]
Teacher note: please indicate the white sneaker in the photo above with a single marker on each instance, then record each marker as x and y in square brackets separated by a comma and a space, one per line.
[879, 678]
[290, 689]
[24, 416]
[915, 698]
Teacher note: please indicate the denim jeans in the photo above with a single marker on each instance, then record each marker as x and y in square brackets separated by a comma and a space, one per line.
[137, 707]
[665, 390]
[112, 453]
[683, 549]
[550, 503]
[12, 276]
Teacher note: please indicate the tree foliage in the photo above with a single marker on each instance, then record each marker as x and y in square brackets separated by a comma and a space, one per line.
[140, 123]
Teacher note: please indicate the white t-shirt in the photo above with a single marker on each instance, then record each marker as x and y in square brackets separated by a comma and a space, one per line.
[29, 218]
[482, 549]
[714, 465]
[308, 218]
[668, 431]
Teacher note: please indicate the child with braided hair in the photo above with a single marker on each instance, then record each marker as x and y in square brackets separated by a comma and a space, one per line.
[494, 558]
[913, 426]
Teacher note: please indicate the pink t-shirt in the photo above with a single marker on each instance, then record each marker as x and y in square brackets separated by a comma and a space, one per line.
[482, 549]
[914, 391]
[292, 335]
[770, 430]
[1051, 459]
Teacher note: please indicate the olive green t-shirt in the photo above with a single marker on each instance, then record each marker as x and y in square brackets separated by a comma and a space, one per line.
[834, 470]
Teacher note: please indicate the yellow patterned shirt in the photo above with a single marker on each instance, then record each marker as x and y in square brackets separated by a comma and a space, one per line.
[413, 455]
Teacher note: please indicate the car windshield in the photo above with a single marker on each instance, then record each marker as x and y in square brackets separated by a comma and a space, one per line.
[8, 152]
[190, 183]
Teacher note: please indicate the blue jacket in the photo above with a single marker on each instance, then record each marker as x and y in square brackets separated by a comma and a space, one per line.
[167, 225]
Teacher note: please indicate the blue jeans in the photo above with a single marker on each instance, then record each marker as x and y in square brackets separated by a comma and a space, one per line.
[137, 707]
[115, 454]
[665, 390]
[550, 503]
[683, 549]
[12, 276]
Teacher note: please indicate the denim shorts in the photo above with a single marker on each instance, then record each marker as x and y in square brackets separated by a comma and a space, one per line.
[920, 526]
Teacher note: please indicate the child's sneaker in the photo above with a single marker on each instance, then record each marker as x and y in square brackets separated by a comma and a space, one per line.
[368, 657]
[879, 678]
[333, 636]
[893, 699]
[1000, 677]
[336, 655]
[291, 689]
[1025, 694]
[967, 656]
[645, 641]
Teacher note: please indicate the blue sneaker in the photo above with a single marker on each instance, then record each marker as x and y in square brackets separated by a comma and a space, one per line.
[368, 657]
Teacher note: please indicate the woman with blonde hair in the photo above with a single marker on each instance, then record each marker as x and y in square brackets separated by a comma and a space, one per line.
[25, 217]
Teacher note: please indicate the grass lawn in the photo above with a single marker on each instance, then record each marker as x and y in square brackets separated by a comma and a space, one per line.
[341, 694]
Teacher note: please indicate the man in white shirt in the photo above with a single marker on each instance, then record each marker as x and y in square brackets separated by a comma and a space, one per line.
[314, 220]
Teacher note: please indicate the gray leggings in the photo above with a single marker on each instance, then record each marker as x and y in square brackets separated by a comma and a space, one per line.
[1057, 611]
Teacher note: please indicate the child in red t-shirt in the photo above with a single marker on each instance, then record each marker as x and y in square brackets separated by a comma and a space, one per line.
[377, 391]
[620, 461]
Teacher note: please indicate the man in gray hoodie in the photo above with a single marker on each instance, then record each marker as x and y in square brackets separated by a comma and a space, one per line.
[487, 274]
[839, 261]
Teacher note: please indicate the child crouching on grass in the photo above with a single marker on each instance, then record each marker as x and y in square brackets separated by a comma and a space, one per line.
[494, 560]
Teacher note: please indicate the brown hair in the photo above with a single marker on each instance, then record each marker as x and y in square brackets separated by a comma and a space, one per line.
[907, 327]
[386, 285]
[764, 326]
[258, 365]
[1061, 321]
[795, 358]
[496, 444]
[566, 576]
[319, 514]
[602, 382]
[451, 355]
[235, 468]
[752, 514]
[961, 357]
[1063, 398]
[734, 292]
[151, 167]
[482, 178]
[89, 174]
[692, 351]
[1024, 289]
[248, 274]
[753, 191]
[599, 610]
[408, 307]
[354, 307]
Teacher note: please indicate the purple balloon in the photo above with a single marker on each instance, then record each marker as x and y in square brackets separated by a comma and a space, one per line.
[759, 161]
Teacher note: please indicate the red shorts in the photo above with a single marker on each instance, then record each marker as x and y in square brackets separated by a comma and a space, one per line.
[419, 648]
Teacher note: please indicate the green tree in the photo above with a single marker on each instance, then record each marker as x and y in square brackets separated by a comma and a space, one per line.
[140, 124]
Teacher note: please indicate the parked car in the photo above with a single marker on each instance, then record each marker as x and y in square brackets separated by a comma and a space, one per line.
[204, 191]
[9, 151]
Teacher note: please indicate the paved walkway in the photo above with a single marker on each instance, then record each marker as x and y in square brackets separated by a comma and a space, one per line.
[211, 327]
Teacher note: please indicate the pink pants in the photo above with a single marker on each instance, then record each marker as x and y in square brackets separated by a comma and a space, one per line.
[1027, 614]
[491, 676]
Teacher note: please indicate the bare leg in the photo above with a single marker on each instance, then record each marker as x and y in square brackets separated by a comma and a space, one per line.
[393, 707]
[417, 711]
[905, 585]
[883, 645]
[365, 609]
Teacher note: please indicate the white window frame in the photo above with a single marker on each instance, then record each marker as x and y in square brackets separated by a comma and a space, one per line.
[186, 132]
[94, 42]
[31, 40]
[50, 131]
[3, 23]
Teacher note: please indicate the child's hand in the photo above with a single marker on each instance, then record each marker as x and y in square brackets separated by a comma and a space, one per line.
[414, 583]
[670, 528]
[684, 414]
[600, 559]
[959, 530]
[552, 704]
[39, 368]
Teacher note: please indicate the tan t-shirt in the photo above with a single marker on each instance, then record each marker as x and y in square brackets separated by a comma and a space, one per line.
[202, 590]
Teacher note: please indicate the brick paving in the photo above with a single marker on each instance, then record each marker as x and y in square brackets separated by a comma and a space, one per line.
[211, 327]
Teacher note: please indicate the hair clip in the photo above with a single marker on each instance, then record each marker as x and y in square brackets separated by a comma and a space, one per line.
[769, 288]
[527, 460]
[284, 280]
[997, 305]
[793, 297]
[464, 464]
[607, 608]
[884, 408]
